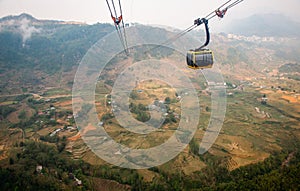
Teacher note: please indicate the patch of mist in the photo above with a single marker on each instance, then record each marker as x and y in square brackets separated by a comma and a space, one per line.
[26, 30]
[22, 26]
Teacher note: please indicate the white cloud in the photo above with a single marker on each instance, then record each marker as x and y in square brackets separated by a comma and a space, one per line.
[22, 26]
[26, 30]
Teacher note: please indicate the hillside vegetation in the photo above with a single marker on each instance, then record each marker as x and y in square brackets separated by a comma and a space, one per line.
[41, 148]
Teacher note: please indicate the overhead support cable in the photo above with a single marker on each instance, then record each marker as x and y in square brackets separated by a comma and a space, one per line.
[197, 23]
[123, 25]
[118, 20]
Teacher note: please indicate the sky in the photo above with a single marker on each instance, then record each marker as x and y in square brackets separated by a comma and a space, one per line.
[174, 13]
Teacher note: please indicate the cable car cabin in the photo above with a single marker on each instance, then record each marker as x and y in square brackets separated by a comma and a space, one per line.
[200, 59]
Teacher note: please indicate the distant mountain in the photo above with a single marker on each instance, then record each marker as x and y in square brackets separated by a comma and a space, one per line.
[275, 25]
[41, 44]
[35, 52]
[17, 17]
[31, 49]
[8, 20]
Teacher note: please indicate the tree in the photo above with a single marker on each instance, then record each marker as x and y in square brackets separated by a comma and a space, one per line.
[134, 95]
[22, 115]
[6, 110]
[194, 146]
[142, 116]
[11, 161]
[167, 100]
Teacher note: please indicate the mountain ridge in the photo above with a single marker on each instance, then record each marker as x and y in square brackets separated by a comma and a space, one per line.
[53, 48]
[275, 25]
[262, 25]
[34, 20]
